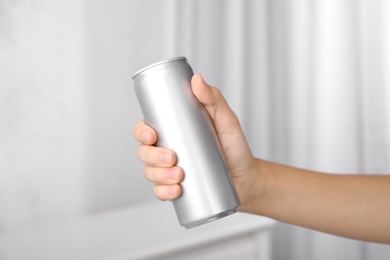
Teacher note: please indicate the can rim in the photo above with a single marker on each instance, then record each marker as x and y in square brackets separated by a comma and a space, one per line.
[158, 63]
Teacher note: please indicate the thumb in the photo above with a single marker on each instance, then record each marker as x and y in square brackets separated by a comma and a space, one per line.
[227, 126]
[223, 117]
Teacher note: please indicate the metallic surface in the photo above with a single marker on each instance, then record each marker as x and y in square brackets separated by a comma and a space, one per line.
[183, 125]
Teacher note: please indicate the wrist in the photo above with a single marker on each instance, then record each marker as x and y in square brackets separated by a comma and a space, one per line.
[254, 187]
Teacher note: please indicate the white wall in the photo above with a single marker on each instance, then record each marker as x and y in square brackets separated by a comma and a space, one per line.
[42, 112]
[67, 106]
[121, 37]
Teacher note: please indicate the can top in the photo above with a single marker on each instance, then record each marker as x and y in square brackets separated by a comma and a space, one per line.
[158, 63]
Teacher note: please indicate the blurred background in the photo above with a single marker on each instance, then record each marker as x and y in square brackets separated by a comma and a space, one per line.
[308, 79]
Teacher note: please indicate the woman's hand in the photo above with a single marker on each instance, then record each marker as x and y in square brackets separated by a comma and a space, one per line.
[160, 163]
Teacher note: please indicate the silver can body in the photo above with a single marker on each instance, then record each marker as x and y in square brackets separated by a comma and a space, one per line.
[183, 125]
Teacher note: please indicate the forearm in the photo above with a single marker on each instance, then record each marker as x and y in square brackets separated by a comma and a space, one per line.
[355, 206]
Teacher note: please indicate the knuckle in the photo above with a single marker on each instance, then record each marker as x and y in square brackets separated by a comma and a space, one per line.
[157, 190]
[137, 130]
[147, 154]
[141, 153]
[147, 174]
[216, 91]
[154, 175]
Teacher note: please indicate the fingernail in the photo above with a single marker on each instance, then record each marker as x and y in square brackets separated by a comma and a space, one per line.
[171, 190]
[145, 137]
[165, 158]
[171, 174]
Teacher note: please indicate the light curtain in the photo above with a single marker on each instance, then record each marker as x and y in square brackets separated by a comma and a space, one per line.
[309, 81]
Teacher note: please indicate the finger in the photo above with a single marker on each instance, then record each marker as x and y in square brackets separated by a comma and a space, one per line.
[144, 133]
[163, 176]
[211, 97]
[156, 156]
[167, 192]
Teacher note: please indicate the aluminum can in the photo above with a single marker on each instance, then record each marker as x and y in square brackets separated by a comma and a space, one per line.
[183, 125]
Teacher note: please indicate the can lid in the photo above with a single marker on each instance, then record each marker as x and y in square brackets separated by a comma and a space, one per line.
[158, 63]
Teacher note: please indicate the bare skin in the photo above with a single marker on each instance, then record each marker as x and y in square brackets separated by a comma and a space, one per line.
[353, 206]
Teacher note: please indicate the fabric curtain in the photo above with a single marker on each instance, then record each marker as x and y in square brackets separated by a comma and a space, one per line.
[309, 81]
